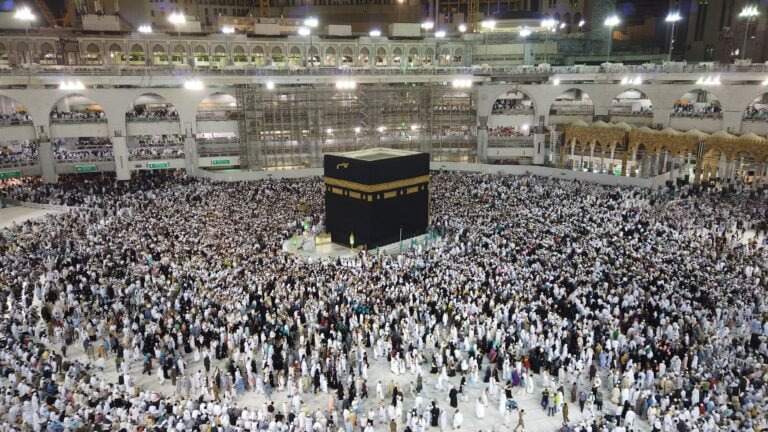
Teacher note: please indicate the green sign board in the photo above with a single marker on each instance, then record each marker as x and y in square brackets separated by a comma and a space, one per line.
[220, 162]
[10, 174]
[155, 165]
[85, 168]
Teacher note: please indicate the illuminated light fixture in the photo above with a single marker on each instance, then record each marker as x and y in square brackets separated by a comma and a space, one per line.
[381, 129]
[329, 131]
[548, 23]
[414, 127]
[612, 21]
[227, 29]
[556, 81]
[562, 25]
[311, 22]
[637, 81]
[488, 25]
[145, 28]
[525, 32]
[304, 31]
[193, 85]
[24, 14]
[765, 83]
[526, 127]
[71, 85]
[709, 81]
[358, 129]
[624, 81]
[749, 12]
[428, 25]
[462, 83]
[345, 85]
[440, 33]
[270, 85]
[177, 18]
[462, 28]
[673, 17]
[374, 33]
[582, 23]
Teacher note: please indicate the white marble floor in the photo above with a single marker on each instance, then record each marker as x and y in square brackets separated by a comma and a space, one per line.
[14, 214]
[536, 418]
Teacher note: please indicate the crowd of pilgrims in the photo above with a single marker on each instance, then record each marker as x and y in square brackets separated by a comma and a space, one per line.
[629, 306]
[25, 151]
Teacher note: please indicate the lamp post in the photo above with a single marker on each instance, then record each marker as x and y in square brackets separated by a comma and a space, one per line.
[311, 23]
[487, 26]
[177, 19]
[25, 15]
[672, 18]
[228, 32]
[548, 24]
[399, 8]
[524, 33]
[750, 13]
[427, 26]
[305, 31]
[440, 34]
[146, 29]
[611, 22]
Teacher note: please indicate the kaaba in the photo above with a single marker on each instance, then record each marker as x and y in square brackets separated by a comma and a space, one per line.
[374, 196]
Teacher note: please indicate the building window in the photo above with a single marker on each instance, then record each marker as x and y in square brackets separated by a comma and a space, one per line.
[709, 52]
[701, 20]
[552, 3]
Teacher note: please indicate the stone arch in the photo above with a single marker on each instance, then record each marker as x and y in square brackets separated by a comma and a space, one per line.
[295, 51]
[46, 48]
[219, 50]
[151, 107]
[757, 110]
[365, 55]
[200, 50]
[347, 56]
[258, 50]
[16, 112]
[137, 49]
[158, 49]
[567, 18]
[515, 94]
[218, 106]
[381, 56]
[330, 56]
[692, 102]
[76, 103]
[631, 101]
[572, 101]
[458, 55]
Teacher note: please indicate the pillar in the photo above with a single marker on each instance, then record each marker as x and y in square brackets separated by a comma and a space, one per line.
[482, 144]
[592, 156]
[190, 155]
[539, 146]
[122, 165]
[47, 162]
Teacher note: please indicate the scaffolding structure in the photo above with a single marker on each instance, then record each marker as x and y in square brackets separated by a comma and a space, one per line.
[293, 126]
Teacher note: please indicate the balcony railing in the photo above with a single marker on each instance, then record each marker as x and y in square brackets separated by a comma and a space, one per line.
[14, 122]
[218, 115]
[698, 115]
[78, 120]
[250, 70]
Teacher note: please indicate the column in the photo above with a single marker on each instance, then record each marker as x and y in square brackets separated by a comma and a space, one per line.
[120, 150]
[190, 155]
[613, 154]
[539, 146]
[47, 162]
[482, 142]
[592, 156]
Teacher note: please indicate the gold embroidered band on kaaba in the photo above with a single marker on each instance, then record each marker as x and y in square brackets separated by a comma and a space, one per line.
[371, 192]
[377, 187]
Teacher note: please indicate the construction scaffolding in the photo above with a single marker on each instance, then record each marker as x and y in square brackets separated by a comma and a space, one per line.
[293, 126]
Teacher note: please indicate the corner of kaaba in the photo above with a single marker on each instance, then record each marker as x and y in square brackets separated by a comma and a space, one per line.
[376, 197]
